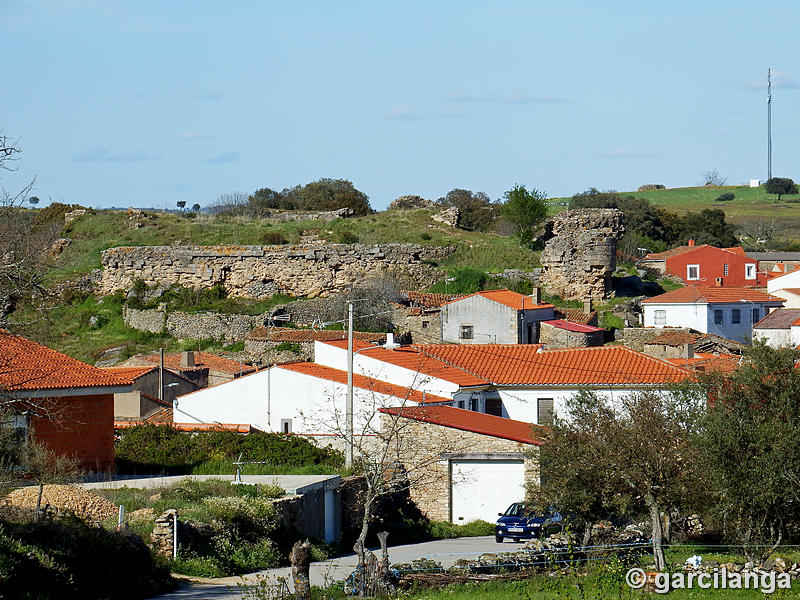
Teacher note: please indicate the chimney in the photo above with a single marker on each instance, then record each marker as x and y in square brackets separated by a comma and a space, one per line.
[688, 351]
[587, 306]
[187, 359]
[536, 296]
[719, 281]
[691, 243]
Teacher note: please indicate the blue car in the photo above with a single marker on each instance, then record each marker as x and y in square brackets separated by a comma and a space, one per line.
[519, 523]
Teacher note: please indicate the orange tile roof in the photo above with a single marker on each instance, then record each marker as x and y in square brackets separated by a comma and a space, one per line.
[409, 358]
[576, 315]
[467, 420]
[362, 382]
[723, 363]
[28, 366]
[131, 372]
[795, 291]
[286, 334]
[235, 427]
[507, 298]
[424, 300]
[520, 364]
[699, 294]
[202, 360]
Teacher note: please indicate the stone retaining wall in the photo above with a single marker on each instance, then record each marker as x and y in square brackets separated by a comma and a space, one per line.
[636, 337]
[262, 271]
[199, 326]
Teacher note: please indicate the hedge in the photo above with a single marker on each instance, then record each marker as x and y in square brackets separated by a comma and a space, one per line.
[164, 449]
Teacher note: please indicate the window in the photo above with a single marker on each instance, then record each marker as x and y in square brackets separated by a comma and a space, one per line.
[425, 324]
[756, 315]
[750, 271]
[693, 272]
[474, 404]
[494, 406]
[725, 270]
[466, 332]
[661, 317]
[544, 411]
[736, 316]
[717, 317]
[286, 426]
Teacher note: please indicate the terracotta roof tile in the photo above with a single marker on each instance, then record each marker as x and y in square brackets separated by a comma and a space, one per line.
[424, 300]
[508, 298]
[783, 318]
[529, 365]
[202, 360]
[28, 366]
[576, 327]
[576, 315]
[286, 334]
[131, 372]
[723, 363]
[697, 294]
[235, 427]
[467, 420]
[362, 382]
[409, 358]
[670, 253]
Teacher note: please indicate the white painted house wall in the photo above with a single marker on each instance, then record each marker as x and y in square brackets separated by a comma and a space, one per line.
[790, 299]
[701, 317]
[788, 281]
[521, 404]
[313, 404]
[774, 338]
[492, 322]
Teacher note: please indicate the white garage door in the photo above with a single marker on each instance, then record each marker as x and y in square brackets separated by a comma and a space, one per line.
[483, 488]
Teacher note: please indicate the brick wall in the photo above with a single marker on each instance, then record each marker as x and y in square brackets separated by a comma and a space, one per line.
[422, 444]
[81, 426]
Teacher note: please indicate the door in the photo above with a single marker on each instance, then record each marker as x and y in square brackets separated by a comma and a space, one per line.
[482, 488]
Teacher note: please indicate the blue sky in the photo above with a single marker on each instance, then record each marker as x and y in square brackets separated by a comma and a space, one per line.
[147, 103]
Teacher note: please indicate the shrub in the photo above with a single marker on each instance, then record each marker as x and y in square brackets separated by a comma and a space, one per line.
[725, 197]
[287, 347]
[346, 237]
[70, 559]
[425, 236]
[273, 237]
[163, 449]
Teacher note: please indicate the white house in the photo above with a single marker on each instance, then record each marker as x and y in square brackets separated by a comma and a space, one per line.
[516, 381]
[786, 286]
[304, 398]
[729, 312]
[780, 328]
[494, 316]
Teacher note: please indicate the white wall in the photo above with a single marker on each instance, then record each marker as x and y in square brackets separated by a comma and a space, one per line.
[492, 322]
[791, 300]
[331, 356]
[315, 405]
[774, 338]
[701, 317]
[788, 281]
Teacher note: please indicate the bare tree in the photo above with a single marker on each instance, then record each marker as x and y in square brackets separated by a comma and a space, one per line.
[374, 301]
[712, 177]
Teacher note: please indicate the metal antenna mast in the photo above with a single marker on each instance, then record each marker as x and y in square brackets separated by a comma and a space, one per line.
[769, 123]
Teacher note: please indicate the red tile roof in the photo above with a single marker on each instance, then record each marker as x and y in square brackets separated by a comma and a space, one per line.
[467, 420]
[508, 298]
[409, 358]
[133, 373]
[362, 382]
[576, 327]
[235, 427]
[202, 360]
[421, 299]
[698, 294]
[723, 363]
[286, 334]
[28, 366]
[520, 364]
[576, 315]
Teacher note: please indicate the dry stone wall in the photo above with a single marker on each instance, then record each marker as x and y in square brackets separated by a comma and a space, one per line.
[581, 256]
[261, 271]
[199, 326]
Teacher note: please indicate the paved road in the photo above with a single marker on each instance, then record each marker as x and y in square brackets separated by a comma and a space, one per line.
[444, 551]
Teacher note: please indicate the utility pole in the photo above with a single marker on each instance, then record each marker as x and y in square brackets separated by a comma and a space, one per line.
[348, 453]
[769, 124]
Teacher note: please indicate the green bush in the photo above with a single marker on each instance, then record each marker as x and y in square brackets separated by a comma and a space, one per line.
[287, 347]
[163, 449]
[70, 559]
[273, 238]
[346, 237]
[440, 530]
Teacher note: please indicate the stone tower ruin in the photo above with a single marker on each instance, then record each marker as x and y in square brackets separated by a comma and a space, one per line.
[581, 256]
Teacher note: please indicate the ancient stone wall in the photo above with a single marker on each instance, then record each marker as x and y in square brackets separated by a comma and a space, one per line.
[581, 256]
[635, 338]
[262, 271]
[199, 326]
[555, 337]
